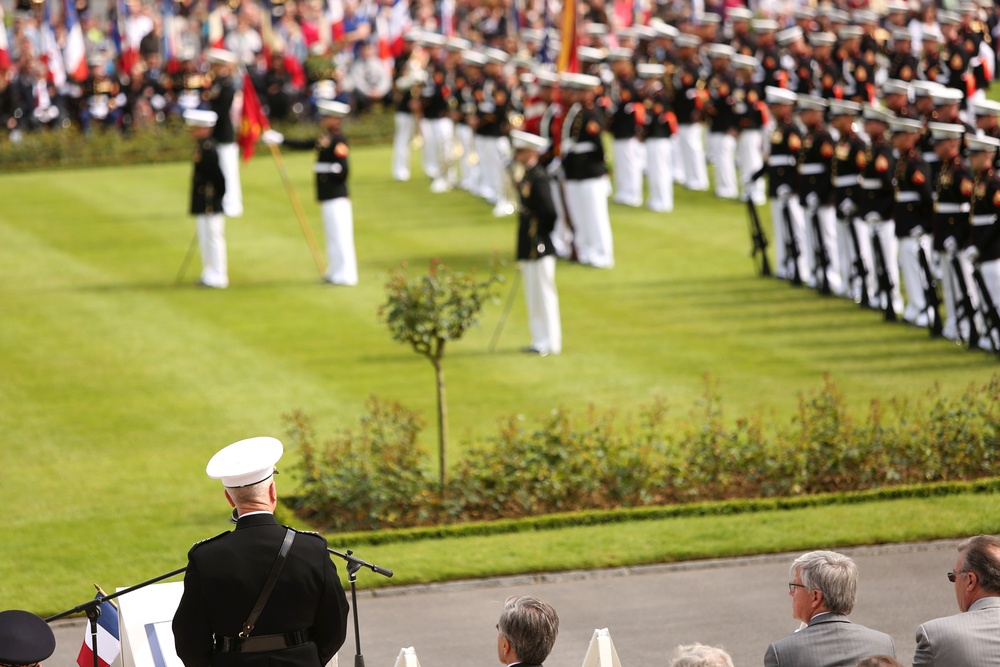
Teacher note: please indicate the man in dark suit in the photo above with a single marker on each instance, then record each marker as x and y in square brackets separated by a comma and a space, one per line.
[971, 638]
[526, 632]
[303, 622]
[823, 590]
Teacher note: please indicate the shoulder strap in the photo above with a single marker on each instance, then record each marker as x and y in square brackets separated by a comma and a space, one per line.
[265, 593]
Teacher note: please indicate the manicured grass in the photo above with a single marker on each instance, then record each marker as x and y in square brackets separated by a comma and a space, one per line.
[117, 385]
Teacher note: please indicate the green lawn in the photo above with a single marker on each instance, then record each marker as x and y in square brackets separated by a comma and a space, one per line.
[116, 385]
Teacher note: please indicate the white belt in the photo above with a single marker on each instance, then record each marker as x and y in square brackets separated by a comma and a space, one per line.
[812, 168]
[904, 197]
[952, 207]
[328, 168]
[781, 161]
[845, 181]
[985, 219]
[931, 156]
[583, 147]
[871, 184]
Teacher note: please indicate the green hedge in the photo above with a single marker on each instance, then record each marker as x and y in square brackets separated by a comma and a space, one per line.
[70, 148]
[376, 476]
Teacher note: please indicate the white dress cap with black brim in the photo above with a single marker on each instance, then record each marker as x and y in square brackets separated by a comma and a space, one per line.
[644, 32]
[945, 95]
[986, 108]
[474, 58]
[850, 32]
[620, 53]
[432, 40]
[458, 44]
[895, 87]
[221, 57]
[810, 103]
[944, 17]
[719, 52]
[924, 88]
[710, 18]
[764, 25]
[741, 61]
[650, 70]
[25, 639]
[588, 54]
[844, 108]
[200, 118]
[246, 462]
[580, 81]
[740, 14]
[804, 13]
[822, 39]
[901, 35]
[664, 29]
[775, 95]
[546, 78]
[879, 114]
[945, 131]
[788, 35]
[332, 109]
[687, 40]
[898, 7]
[595, 29]
[982, 144]
[520, 140]
[497, 56]
[905, 126]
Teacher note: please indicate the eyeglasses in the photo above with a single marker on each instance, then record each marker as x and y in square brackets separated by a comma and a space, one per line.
[792, 586]
[952, 575]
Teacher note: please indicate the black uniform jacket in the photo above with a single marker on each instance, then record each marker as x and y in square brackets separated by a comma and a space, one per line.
[537, 217]
[208, 185]
[331, 164]
[224, 578]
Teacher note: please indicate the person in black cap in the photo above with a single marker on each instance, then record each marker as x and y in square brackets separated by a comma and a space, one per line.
[301, 621]
[25, 639]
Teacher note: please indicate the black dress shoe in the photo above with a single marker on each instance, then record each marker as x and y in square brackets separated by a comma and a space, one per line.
[535, 351]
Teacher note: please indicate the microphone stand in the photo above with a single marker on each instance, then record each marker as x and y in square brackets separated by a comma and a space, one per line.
[353, 565]
[93, 607]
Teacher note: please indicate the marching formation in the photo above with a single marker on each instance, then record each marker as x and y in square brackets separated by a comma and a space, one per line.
[875, 135]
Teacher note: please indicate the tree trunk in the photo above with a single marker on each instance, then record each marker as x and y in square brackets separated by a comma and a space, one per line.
[442, 421]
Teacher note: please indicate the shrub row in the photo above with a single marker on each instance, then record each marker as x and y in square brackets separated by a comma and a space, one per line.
[70, 148]
[376, 476]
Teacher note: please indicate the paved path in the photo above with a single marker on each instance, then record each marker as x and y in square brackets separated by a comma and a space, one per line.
[741, 604]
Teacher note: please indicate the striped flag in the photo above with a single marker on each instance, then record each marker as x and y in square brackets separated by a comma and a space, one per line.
[51, 53]
[75, 53]
[108, 641]
[4, 48]
[569, 60]
[253, 122]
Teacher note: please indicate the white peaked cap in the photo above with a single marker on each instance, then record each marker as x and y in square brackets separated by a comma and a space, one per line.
[246, 462]
[332, 108]
[982, 144]
[221, 56]
[200, 118]
[525, 140]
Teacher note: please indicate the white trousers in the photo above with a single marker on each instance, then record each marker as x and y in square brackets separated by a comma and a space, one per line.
[949, 286]
[797, 221]
[562, 233]
[678, 165]
[749, 160]
[628, 171]
[404, 126]
[827, 219]
[428, 157]
[886, 231]
[493, 153]
[724, 159]
[693, 155]
[229, 162]
[913, 278]
[587, 201]
[338, 227]
[212, 241]
[439, 152]
[660, 169]
[469, 162]
[543, 303]
[991, 276]
[845, 250]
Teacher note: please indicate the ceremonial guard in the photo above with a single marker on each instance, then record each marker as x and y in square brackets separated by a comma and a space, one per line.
[853, 247]
[740, 37]
[923, 106]
[493, 103]
[782, 184]
[770, 72]
[689, 104]
[436, 125]
[661, 125]
[263, 593]
[826, 70]
[857, 68]
[550, 129]
[751, 117]
[979, 45]
[954, 188]
[797, 60]
[816, 192]
[535, 254]
[627, 118]
[721, 113]
[896, 98]
[469, 78]
[331, 169]
[955, 62]
[208, 187]
[903, 65]
[984, 239]
[875, 208]
[586, 174]
[220, 99]
[406, 102]
[913, 216]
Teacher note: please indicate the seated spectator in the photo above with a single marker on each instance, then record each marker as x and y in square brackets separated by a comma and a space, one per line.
[972, 637]
[823, 589]
[527, 631]
[699, 655]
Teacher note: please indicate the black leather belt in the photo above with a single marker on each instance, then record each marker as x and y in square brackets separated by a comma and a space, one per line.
[262, 643]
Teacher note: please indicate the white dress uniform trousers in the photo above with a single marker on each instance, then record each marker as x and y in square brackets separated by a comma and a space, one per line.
[404, 126]
[660, 170]
[587, 201]
[749, 160]
[797, 222]
[469, 162]
[338, 227]
[212, 241]
[693, 155]
[628, 171]
[913, 278]
[886, 231]
[229, 162]
[543, 304]
[724, 159]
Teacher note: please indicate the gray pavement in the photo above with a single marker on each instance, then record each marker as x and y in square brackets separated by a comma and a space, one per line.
[741, 604]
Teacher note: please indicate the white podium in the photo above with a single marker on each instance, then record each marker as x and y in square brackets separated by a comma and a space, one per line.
[601, 652]
[144, 618]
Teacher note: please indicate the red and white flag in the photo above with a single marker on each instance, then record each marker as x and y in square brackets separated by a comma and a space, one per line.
[51, 53]
[4, 48]
[335, 16]
[75, 53]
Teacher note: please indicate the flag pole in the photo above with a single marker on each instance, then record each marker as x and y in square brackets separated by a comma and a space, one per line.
[279, 162]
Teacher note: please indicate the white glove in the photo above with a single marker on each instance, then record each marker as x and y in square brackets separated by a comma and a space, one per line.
[971, 254]
[272, 138]
[812, 200]
[916, 232]
[846, 207]
[873, 217]
[783, 191]
[951, 245]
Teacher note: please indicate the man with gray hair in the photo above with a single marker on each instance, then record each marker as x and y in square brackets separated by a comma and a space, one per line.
[972, 637]
[699, 655]
[527, 631]
[823, 589]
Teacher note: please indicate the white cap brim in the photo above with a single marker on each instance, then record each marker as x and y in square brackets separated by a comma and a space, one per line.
[246, 462]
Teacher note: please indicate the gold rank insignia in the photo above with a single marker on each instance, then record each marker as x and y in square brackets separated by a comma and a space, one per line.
[919, 178]
[980, 191]
[794, 143]
[956, 61]
[807, 143]
[843, 151]
[945, 178]
[593, 127]
[340, 150]
[776, 137]
[881, 164]
[965, 187]
[996, 199]
[826, 150]
[861, 160]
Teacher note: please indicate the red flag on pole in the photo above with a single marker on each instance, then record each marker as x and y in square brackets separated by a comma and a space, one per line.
[569, 60]
[253, 121]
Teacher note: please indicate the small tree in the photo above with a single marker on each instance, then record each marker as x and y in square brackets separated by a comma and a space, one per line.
[427, 312]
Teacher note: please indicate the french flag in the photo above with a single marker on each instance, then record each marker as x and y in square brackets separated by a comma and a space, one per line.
[51, 54]
[75, 53]
[4, 49]
[335, 15]
[108, 642]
